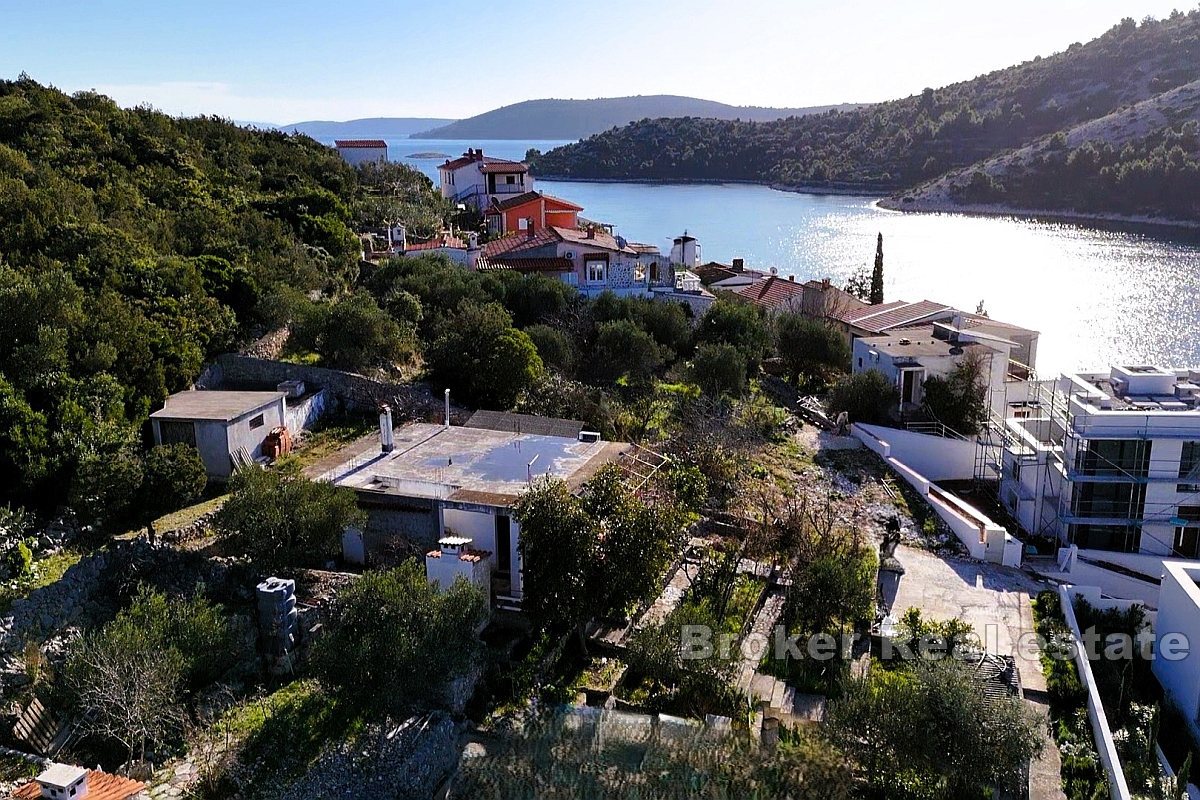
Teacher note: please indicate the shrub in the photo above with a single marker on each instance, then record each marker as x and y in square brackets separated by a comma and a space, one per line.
[282, 519]
[865, 396]
[481, 358]
[396, 640]
[719, 369]
[555, 348]
[623, 351]
[173, 477]
[739, 324]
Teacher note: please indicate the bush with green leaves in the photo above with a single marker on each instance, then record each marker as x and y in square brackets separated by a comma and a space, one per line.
[555, 347]
[173, 476]
[623, 352]
[482, 358]
[396, 641]
[282, 519]
[719, 369]
[809, 346]
[737, 323]
[127, 680]
[867, 397]
[354, 333]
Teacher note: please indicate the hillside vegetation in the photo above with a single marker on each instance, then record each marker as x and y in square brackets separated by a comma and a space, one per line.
[575, 119]
[133, 246]
[902, 143]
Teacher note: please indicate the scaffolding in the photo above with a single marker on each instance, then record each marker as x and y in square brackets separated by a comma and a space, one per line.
[1060, 437]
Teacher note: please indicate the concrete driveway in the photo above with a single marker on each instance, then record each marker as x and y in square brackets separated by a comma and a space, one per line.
[996, 601]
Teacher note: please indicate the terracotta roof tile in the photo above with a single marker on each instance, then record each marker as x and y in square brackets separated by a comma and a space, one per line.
[520, 240]
[772, 292]
[491, 165]
[549, 264]
[101, 786]
[886, 316]
[360, 143]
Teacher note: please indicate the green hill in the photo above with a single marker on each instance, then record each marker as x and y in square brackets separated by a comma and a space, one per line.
[575, 119]
[134, 246]
[899, 144]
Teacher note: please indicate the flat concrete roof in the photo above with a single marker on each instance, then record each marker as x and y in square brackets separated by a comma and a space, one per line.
[220, 406]
[475, 465]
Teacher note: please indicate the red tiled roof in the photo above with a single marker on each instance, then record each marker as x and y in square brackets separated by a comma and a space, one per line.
[101, 786]
[772, 292]
[445, 240]
[519, 240]
[360, 143]
[515, 201]
[886, 316]
[549, 264]
[500, 165]
[558, 201]
[600, 238]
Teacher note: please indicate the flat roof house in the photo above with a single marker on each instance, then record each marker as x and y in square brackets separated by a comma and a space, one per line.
[1104, 461]
[449, 490]
[228, 428]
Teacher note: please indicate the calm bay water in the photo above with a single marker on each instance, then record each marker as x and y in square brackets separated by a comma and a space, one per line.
[1097, 296]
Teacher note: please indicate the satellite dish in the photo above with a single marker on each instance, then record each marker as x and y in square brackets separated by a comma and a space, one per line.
[774, 270]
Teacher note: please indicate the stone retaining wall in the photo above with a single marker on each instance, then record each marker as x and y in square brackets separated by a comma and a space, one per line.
[353, 392]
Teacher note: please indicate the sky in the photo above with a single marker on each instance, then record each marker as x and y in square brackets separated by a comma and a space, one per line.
[282, 62]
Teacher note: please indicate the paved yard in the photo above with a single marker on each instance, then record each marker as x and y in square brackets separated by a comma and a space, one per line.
[995, 600]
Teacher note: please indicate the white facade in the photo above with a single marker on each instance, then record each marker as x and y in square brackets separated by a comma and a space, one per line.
[476, 180]
[685, 250]
[1178, 627]
[456, 558]
[355, 152]
[220, 424]
[1106, 461]
[908, 357]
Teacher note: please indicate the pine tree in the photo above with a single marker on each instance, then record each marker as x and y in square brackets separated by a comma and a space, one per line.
[877, 274]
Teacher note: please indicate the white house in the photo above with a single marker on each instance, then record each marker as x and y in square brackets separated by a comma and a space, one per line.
[361, 151]
[1177, 640]
[1104, 461]
[449, 490]
[227, 428]
[477, 180]
[910, 356]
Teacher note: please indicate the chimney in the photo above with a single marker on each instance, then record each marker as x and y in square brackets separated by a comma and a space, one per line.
[59, 781]
[387, 441]
[792, 278]
[824, 283]
[738, 265]
[479, 154]
[591, 233]
[447, 408]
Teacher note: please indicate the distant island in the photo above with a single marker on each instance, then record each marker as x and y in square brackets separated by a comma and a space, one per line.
[576, 119]
[367, 128]
[1106, 129]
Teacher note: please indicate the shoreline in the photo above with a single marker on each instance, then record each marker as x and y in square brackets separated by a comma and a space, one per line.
[1094, 219]
[848, 191]
[1099, 220]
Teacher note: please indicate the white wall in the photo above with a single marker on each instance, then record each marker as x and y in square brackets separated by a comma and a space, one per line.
[240, 434]
[935, 457]
[478, 526]
[361, 155]
[984, 539]
[1179, 613]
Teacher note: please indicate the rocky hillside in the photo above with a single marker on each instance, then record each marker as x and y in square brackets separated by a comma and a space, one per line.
[1141, 161]
[900, 144]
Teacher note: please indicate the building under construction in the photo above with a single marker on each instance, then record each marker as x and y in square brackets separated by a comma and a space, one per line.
[1102, 461]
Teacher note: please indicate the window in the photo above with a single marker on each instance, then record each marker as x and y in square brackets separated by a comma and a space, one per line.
[510, 179]
[257, 422]
[1119, 538]
[596, 270]
[177, 432]
[1189, 461]
[1114, 457]
[1187, 535]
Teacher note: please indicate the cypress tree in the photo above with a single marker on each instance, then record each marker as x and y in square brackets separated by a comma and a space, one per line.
[877, 274]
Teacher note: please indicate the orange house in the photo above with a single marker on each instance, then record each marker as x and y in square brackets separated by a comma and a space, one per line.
[532, 210]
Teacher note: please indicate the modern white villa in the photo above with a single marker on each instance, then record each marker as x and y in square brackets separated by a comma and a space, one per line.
[1107, 461]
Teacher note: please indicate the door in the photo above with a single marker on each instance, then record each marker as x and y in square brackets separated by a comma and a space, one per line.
[503, 545]
[909, 385]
